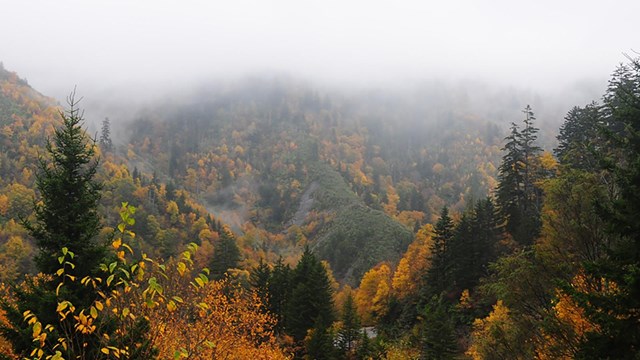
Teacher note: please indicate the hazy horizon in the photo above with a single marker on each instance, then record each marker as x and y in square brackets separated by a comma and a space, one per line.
[110, 46]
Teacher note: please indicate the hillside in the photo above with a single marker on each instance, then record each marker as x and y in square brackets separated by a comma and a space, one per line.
[252, 150]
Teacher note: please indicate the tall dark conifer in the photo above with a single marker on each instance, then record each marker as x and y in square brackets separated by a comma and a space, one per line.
[438, 277]
[105, 136]
[580, 138]
[226, 254]
[519, 195]
[614, 306]
[311, 302]
[66, 217]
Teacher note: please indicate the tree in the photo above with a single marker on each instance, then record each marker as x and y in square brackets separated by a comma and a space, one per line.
[580, 138]
[311, 301]
[68, 215]
[518, 194]
[226, 254]
[437, 333]
[615, 307]
[66, 220]
[259, 280]
[438, 277]
[105, 136]
[279, 293]
[350, 330]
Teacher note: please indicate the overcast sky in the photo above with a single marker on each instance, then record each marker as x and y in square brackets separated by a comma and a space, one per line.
[109, 44]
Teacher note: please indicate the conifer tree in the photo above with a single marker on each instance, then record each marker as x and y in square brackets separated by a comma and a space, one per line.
[580, 138]
[438, 277]
[518, 194]
[350, 331]
[615, 305]
[105, 136]
[279, 293]
[260, 281]
[66, 217]
[226, 254]
[437, 333]
[311, 300]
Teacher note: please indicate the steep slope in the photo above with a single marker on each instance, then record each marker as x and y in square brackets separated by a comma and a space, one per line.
[166, 220]
[346, 175]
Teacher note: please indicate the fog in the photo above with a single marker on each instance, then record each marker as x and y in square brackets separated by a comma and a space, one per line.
[139, 49]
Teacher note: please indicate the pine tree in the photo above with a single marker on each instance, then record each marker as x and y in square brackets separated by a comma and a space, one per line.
[437, 333]
[311, 300]
[105, 136]
[68, 213]
[580, 138]
[510, 192]
[66, 217]
[615, 306]
[350, 331]
[226, 254]
[260, 281]
[279, 293]
[518, 194]
[438, 277]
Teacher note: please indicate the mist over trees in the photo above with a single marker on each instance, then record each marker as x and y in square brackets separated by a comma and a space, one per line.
[274, 220]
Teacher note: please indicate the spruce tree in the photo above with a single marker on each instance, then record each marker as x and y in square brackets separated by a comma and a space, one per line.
[438, 277]
[226, 254]
[105, 136]
[350, 331]
[615, 306]
[279, 293]
[66, 217]
[580, 138]
[259, 280]
[510, 193]
[311, 301]
[518, 194]
[437, 335]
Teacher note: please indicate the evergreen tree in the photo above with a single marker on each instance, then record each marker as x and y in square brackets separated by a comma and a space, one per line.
[105, 136]
[437, 333]
[226, 254]
[615, 305]
[464, 252]
[518, 194]
[311, 301]
[510, 193]
[438, 277]
[279, 292]
[319, 343]
[259, 279]
[580, 138]
[350, 331]
[66, 217]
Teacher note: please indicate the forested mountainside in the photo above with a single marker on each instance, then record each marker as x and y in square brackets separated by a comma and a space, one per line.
[339, 174]
[298, 218]
[168, 217]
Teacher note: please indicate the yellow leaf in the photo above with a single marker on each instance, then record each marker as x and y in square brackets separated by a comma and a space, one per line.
[105, 351]
[37, 328]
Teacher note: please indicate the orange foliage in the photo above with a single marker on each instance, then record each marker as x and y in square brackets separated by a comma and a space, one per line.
[413, 264]
[372, 296]
[218, 323]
